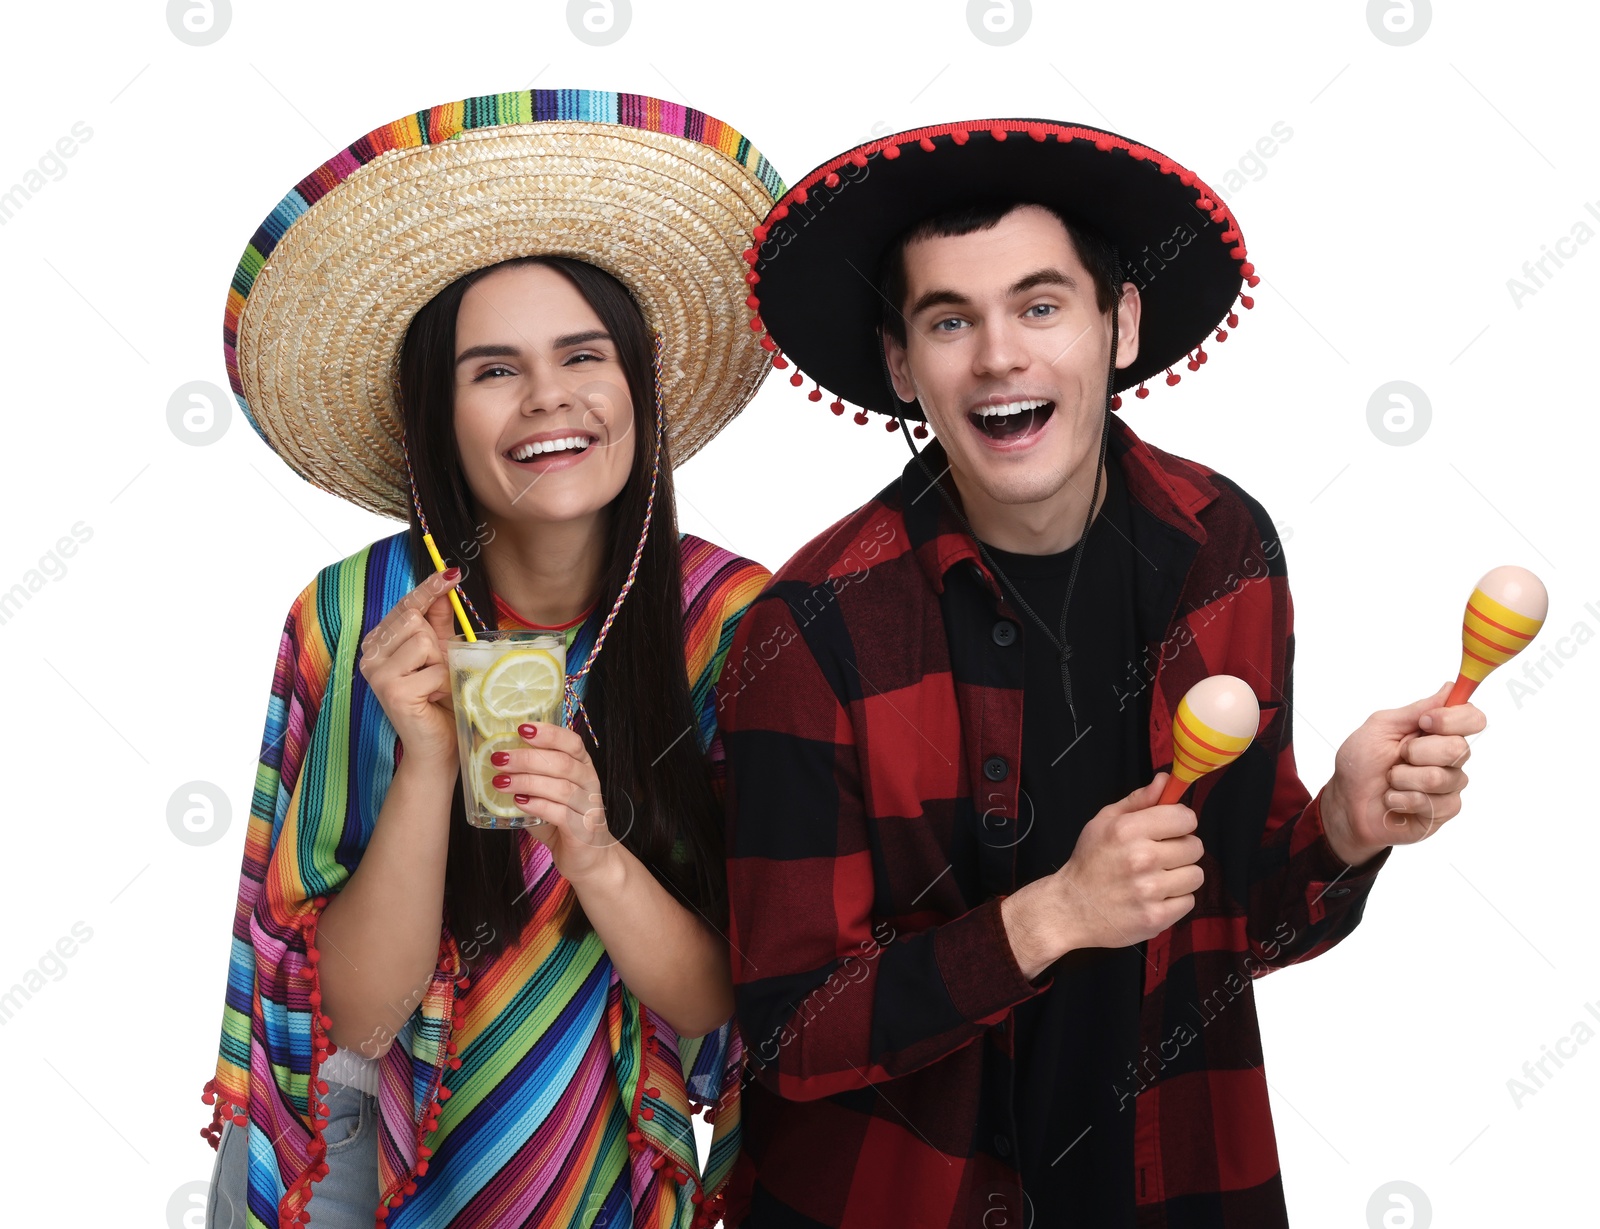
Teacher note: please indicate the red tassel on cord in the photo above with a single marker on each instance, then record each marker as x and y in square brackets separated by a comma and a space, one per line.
[1141, 392]
[920, 430]
[927, 144]
[891, 425]
[861, 418]
[837, 407]
[1172, 377]
[797, 379]
[1116, 401]
[815, 394]
[778, 360]
[890, 152]
[1194, 363]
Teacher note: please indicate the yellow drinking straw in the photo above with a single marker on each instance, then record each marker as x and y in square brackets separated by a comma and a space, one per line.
[438, 566]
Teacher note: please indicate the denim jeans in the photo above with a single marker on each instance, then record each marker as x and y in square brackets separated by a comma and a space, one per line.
[347, 1196]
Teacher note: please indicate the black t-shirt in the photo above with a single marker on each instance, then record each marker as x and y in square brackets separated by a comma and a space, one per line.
[1074, 1042]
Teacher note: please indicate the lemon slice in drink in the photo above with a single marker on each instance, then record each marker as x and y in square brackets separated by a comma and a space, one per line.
[495, 801]
[477, 715]
[524, 684]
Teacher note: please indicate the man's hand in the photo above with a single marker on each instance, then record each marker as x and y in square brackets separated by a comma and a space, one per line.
[1396, 784]
[1133, 873]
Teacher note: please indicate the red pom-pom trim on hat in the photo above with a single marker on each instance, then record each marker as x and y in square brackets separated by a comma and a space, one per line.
[920, 431]
[891, 147]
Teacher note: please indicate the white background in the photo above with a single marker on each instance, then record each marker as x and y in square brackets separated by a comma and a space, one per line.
[1418, 179]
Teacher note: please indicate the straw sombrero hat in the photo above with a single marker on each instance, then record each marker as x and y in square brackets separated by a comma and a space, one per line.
[661, 196]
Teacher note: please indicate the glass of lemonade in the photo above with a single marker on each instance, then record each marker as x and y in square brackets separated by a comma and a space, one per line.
[497, 682]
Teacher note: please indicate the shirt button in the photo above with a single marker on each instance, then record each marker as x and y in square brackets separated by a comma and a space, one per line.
[995, 768]
[1002, 1145]
[1005, 633]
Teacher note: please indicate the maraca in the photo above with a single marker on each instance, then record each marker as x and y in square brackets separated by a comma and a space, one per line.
[1216, 720]
[1504, 614]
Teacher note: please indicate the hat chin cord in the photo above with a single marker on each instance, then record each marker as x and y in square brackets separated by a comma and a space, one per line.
[1057, 639]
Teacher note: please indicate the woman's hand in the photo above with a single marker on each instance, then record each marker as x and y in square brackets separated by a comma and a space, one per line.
[403, 661]
[553, 779]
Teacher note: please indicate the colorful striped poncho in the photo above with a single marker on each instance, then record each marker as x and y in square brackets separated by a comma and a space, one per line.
[541, 1093]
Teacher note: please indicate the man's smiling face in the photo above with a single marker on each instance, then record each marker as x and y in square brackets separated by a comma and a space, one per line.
[1007, 349]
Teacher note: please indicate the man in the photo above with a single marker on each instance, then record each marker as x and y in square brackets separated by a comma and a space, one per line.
[984, 977]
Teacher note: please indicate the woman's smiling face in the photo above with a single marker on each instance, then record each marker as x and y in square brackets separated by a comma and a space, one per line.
[543, 415]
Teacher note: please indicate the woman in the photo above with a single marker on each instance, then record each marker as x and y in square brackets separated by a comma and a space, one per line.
[425, 1021]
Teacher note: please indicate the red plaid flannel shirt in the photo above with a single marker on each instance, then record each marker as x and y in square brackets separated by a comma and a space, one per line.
[873, 978]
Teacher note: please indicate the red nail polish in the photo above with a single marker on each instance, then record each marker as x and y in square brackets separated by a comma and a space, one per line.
[523, 799]
[500, 759]
[527, 730]
[452, 575]
[502, 781]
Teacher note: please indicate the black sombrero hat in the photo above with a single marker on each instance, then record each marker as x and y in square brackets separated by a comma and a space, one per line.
[815, 258]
